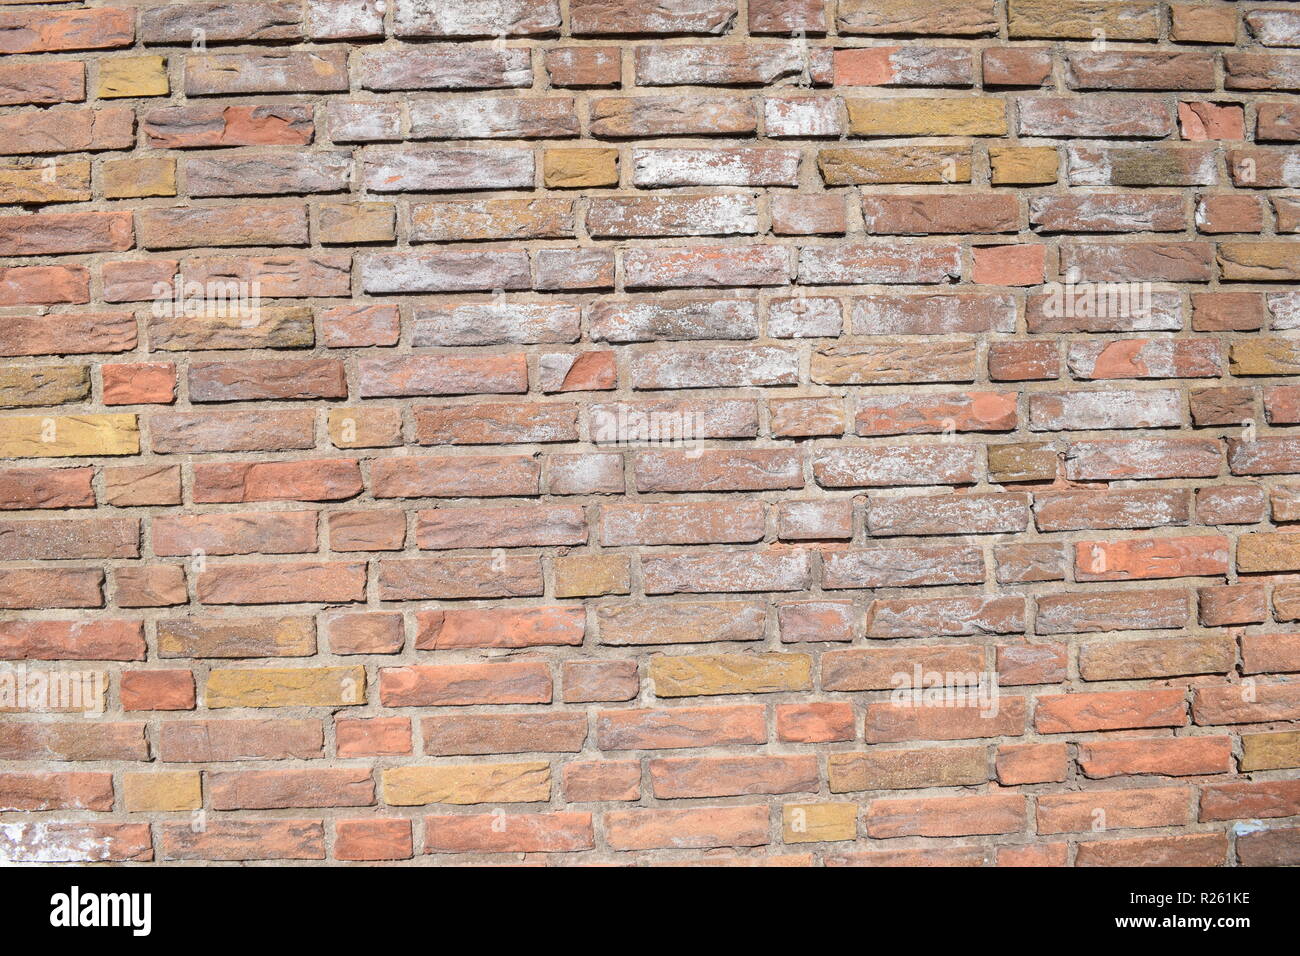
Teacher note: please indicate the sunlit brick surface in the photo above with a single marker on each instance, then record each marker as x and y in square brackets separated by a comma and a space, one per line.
[767, 432]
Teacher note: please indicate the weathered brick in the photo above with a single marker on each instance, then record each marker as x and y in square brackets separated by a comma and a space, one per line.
[1111, 710]
[946, 116]
[237, 637]
[286, 71]
[193, 125]
[642, 426]
[415, 786]
[698, 827]
[1114, 809]
[47, 31]
[948, 17]
[760, 673]
[680, 727]
[945, 816]
[244, 840]
[625, 16]
[286, 687]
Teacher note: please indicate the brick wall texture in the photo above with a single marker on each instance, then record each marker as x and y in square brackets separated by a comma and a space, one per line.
[650, 431]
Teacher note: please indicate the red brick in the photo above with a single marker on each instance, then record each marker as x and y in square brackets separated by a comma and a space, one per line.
[1113, 809]
[55, 234]
[945, 816]
[152, 383]
[372, 736]
[30, 133]
[366, 632]
[511, 833]
[417, 579]
[323, 480]
[698, 827]
[56, 791]
[44, 285]
[72, 640]
[1016, 66]
[460, 684]
[43, 31]
[282, 789]
[42, 842]
[56, 82]
[1008, 265]
[889, 722]
[371, 840]
[577, 66]
[1166, 756]
[815, 723]
[1255, 800]
[202, 124]
[157, 690]
[1110, 710]
[1031, 763]
[681, 777]
[292, 582]
[1193, 849]
[602, 781]
[204, 741]
[1279, 847]
[588, 681]
[455, 734]
[244, 840]
[1043, 854]
[680, 727]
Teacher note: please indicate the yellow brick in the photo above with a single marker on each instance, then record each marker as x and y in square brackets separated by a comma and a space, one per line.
[583, 575]
[1030, 461]
[1268, 551]
[1266, 356]
[63, 436]
[1022, 165]
[347, 222]
[476, 783]
[365, 427]
[579, 168]
[819, 822]
[139, 176]
[1260, 261]
[1083, 19]
[928, 116]
[875, 165]
[46, 181]
[132, 76]
[699, 675]
[287, 687]
[23, 386]
[889, 769]
[1274, 751]
[162, 792]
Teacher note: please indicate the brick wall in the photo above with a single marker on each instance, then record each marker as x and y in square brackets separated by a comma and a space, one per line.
[554, 429]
